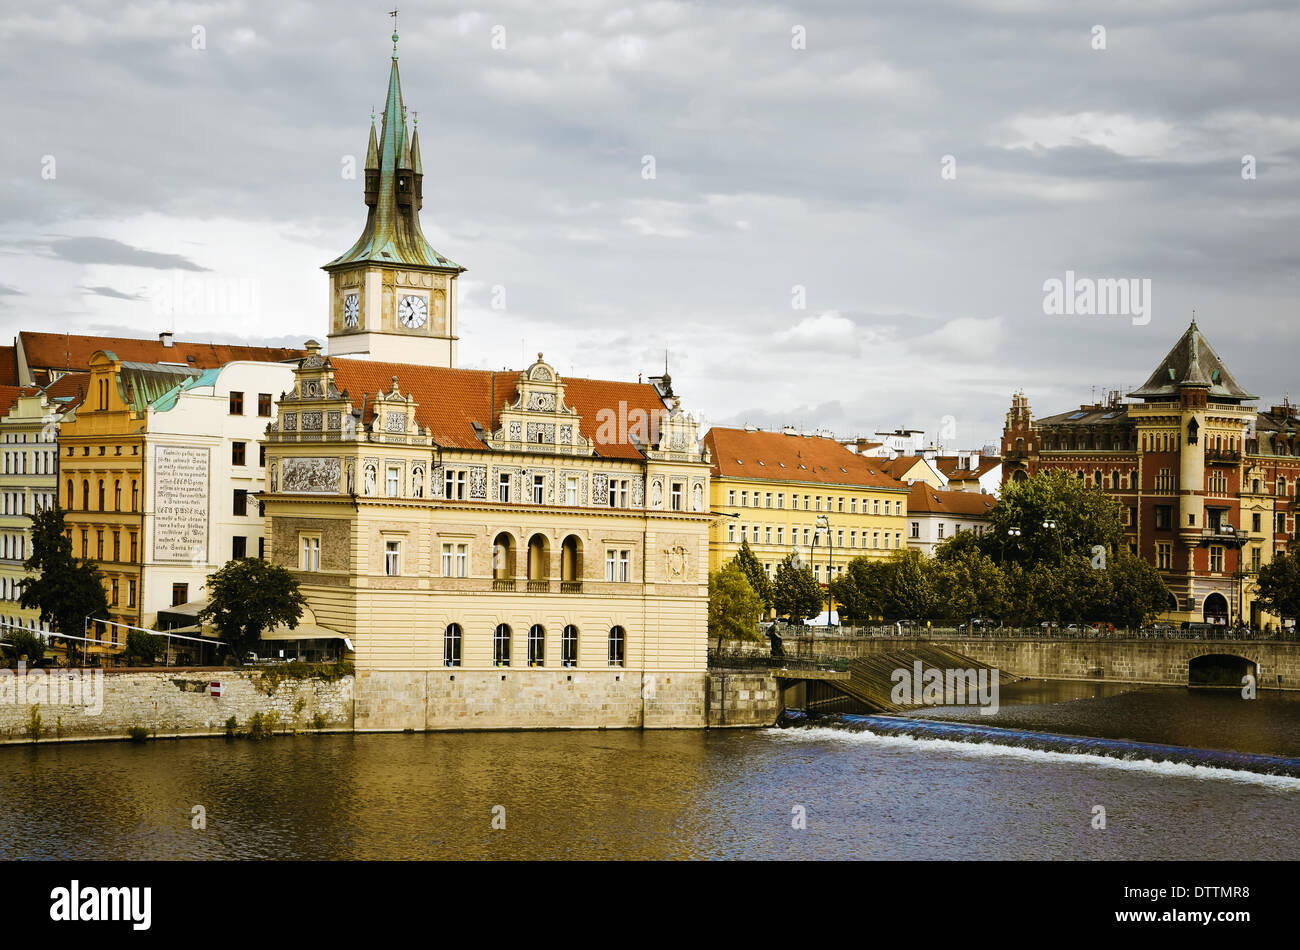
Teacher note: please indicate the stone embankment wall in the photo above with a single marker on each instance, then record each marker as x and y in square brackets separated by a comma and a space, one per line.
[109, 704]
[91, 704]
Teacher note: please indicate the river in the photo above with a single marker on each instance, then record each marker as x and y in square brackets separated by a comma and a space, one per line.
[688, 794]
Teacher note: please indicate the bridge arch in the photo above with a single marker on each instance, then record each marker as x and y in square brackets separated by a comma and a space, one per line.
[1220, 669]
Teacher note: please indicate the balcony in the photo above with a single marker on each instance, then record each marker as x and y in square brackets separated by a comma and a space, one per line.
[503, 583]
[539, 587]
[1230, 456]
[570, 587]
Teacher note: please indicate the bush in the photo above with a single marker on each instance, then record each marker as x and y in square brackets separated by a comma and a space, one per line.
[257, 727]
[232, 724]
[34, 723]
[318, 721]
[25, 644]
[138, 733]
[142, 648]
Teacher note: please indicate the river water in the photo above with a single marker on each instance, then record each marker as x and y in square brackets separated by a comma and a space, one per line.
[692, 794]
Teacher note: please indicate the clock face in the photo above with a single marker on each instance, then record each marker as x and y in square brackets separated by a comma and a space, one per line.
[413, 312]
[351, 310]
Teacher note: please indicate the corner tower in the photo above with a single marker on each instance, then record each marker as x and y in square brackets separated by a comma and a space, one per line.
[392, 296]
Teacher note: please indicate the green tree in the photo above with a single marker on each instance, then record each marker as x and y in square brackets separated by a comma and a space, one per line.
[734, 608]
[908, 589]
[1083, 518]
[1139, 594]
[758, 579]
[65, 589]
[857, 590]
[967, 583]
[1279, 584]
[25, 643]
[248, 596]
[142, 648]
[795, 592]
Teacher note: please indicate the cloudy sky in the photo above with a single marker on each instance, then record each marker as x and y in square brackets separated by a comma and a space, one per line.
[910, 173]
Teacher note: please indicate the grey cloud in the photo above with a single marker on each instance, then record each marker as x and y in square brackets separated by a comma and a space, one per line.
[97, 250]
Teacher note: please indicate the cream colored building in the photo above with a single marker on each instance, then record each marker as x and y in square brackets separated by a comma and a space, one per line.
[773, 489]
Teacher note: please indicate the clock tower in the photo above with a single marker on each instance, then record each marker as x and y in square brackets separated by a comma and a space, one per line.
[392, 296]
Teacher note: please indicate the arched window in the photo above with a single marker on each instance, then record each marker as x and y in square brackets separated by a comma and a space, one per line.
[72, 497]
[539, 563]
[1114, 481]
[85, 494]
[503, 562]
[501, 645]
[537, 645]
[117, 494]
[569, 646]
[451, 645]
[617, 642]
[101, 494]
[571, 565]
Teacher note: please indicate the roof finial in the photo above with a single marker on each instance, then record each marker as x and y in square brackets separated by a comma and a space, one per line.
[393, 13]
[1193, 316]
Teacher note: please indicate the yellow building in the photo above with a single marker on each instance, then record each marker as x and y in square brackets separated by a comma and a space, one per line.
[780, 491]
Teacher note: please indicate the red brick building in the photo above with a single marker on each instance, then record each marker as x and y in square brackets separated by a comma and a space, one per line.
[1206, 483]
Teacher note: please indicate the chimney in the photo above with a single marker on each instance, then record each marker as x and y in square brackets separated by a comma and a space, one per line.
[165, 338]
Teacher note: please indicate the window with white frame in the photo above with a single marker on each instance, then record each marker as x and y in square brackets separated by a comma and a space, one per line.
[454, 484]
[618, 493]
[393, 481]
[455, 559]
[539, 489]
[308, 552]
[503, 487]
[571, 490]
[618, 565]
[393, 558]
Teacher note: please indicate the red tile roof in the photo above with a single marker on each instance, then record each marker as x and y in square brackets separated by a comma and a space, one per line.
[450, 401]
[65, 351]
[948, 465]
[9, 396]
[70, 389]
[926, 499]
[775, 456]
[8, 366]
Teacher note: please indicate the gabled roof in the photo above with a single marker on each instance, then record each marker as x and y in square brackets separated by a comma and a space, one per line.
[451, 401]
[66, 351]
[925, 499]
[1192, 362]
[68, 391]
[775, 456]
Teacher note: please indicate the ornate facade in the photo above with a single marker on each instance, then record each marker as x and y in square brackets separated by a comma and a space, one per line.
[1206, 484]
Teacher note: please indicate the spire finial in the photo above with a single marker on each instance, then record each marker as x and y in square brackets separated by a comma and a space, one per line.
[393, 13]
[1193, 316]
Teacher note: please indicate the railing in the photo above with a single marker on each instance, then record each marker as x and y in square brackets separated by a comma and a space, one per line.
[503, 583]
[797, 639]
[539, 587]
[570, 587]
[734, 660]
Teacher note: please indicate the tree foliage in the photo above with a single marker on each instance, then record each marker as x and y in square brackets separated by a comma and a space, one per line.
[758, 579]
[65, 589]
[1083, 518]
[795, 592]
[734, 608]
[1279, 584]
[249, 596]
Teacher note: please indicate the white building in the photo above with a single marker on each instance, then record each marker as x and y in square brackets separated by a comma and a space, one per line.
[934, 515]
[204, 468]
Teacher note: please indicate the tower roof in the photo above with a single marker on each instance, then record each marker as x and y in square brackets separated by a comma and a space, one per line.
[1192, 362]
[392, 234]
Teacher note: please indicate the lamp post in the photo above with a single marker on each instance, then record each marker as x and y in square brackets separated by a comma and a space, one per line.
[1050, 525]
[825, 522]
[1012, 532]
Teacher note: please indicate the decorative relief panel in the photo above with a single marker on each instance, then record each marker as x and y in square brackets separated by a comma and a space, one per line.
[563, 487]
[437, 478]
[545, 429]
[290, 420]
[311, 421]
[566, 435]
[478, 482]
[656, 492]
[334, 420]
[697, 494]
[311, 475]
[516, 432]
[417, 481]
[600, 489]
[370, 472]
[638, 491]
[394, 422]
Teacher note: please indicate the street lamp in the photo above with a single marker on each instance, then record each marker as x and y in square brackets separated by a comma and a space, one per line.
[1011, 533]
[1050, 525]
[825, 522]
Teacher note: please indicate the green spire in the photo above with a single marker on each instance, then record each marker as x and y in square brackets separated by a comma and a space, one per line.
[392, 233]
[372, 150]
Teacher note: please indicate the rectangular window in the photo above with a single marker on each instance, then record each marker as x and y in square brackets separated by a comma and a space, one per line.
[309, 552]
[133, 546]
[731, 497]
[180, 594]
[130, 593]
[261, 547]
[1254, 560]
[676, 496]
[261, 456]
[875, 506]
[617, 565]
[767, 534]
[539, 489]
[571, 490]
[241, 501]
[503, 487]
[1164, 517]
[767, 500]
[112, 593]
[237, 451]
[455, 560]
[236, 403]
[618, 493]
[853, 539]
[454, 484]
[780, 531]
[875, 539]
[1164, 556]
[940, 529]
[393, 558]
[916, 529]
[1216, 559]
[393, 481]
[117, 545]
[1255, 523]
[264, 405]
[853, 506]
[85, 543]
[99, 545]
[780, 500]
[731, 531]
[238, 546]
[744, 499]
